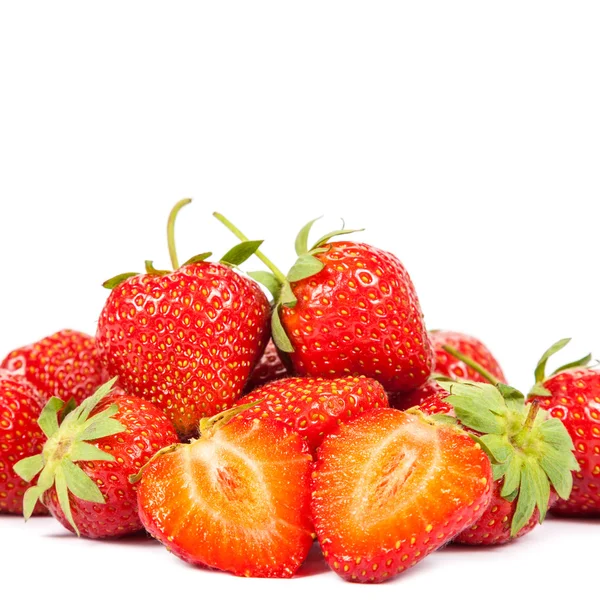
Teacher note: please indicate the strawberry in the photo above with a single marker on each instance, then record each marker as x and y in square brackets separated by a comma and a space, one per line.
[347, 308]
[85, 463]
[531, 455]
[236, 499]
[572, 394]
[64, 364]
[269, 368]
[313, 406]
[390, 487]
[20, 436]
[457, 356]
[188, 339]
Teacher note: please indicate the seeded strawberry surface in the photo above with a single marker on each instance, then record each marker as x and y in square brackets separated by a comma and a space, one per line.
[64, 364]
[360, 315]
[390, 487]
[20, 437]
[313, 406]
[185, 340]
[236, 499]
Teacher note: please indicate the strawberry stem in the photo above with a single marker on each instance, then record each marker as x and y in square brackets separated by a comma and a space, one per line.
[269, 264]
[471, 363]
[521, 437]
[171, 231]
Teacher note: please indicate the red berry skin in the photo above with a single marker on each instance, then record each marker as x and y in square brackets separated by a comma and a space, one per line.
[20, 437]
[575, 401]
[186, 341]
[236, 500]
[148, 430]
[64, 364]
[450, 366]
[360, 315]
[314, 406]
[429, 391]
[269, 368]
[389, 488]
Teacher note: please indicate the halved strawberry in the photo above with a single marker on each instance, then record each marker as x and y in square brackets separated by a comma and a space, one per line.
[236, 499]
[390, 487]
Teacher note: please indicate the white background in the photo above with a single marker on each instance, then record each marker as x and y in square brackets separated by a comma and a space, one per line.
[464, 136]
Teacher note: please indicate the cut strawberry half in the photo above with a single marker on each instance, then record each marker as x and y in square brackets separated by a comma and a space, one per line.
[236, 499]
[390, 487]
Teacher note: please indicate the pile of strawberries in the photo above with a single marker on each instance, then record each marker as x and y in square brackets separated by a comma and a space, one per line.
[236, 429]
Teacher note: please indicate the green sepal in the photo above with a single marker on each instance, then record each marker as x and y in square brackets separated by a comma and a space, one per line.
[443, 419]
[539, 390]
[80, 484]
[268, 280]
[197, 258]
[151, 270]
[280, 337]
[332, 234]
[29, 467]
[241, 252]
[113, 282]
[301, 243]
[48, 419]
[540, 369]
[62, 493]
[287, 297]
[30, 499]
[499, 470]
[582, 362]
[69, 407]
[103, 429]
[512, 477]
[88, 452]
[305, 266]
[498, 446]
[525, 501]
[510, 393]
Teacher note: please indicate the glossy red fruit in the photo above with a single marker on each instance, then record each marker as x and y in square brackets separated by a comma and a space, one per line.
[90, 457]
[237, 499]
[527, 451]
[64, 364]
[314, 406]
[188, 339]
[575, 400]
[20, 437]
[390, 487]
[269, 368]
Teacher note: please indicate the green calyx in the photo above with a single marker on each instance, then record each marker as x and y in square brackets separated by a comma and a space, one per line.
[529, 450]
[279, 285]
[538, 388]
[471, 363]
[233, 258]
[66, 445]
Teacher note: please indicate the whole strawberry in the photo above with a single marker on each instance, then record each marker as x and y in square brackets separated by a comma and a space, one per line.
[236, 499]
[457, 356]
[572, 394]
[531, 456]
[20, 437]
[85, 464]
[314, 406]
[269, 368]
[64, 364]
[390, 487]
[348, 308]
[188, 339]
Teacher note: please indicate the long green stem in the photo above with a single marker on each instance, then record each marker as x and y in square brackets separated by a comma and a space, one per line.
[471, 363]
[171, 231]
[269, 264]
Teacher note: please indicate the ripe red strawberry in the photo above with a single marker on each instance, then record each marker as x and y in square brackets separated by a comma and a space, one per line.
[313, 406]
[186, 340]
[457, 356]
[531, 454]
[20, 437]
[64, 364]
[572, 394]
[348, 308]
[236, 499]
[86, 462]
[390, 487]
[269, 368]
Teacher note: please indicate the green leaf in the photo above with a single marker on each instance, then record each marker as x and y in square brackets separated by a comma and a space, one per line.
[82, 451]
[80, 484]
[510, 393]
[472, 414]
[499, 447]
[280, 337]
[332, 234]
[512, 479]
[305, 266]
[62, 492]
[442, 418]
[113, 282]
[541, 487]
[499, 470]
[30, 499]
[539, 390]
[561, 478]
[102, 429]
[287, 297]
[525, 502]
[540, 370]
[197, 258]
[82, 412]
[241, 253]
[48, 419]
[151, 270]
[29, 467]
[554, 432]
[268, 280]
[69, 407]
[301, 244]
[582, 362]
